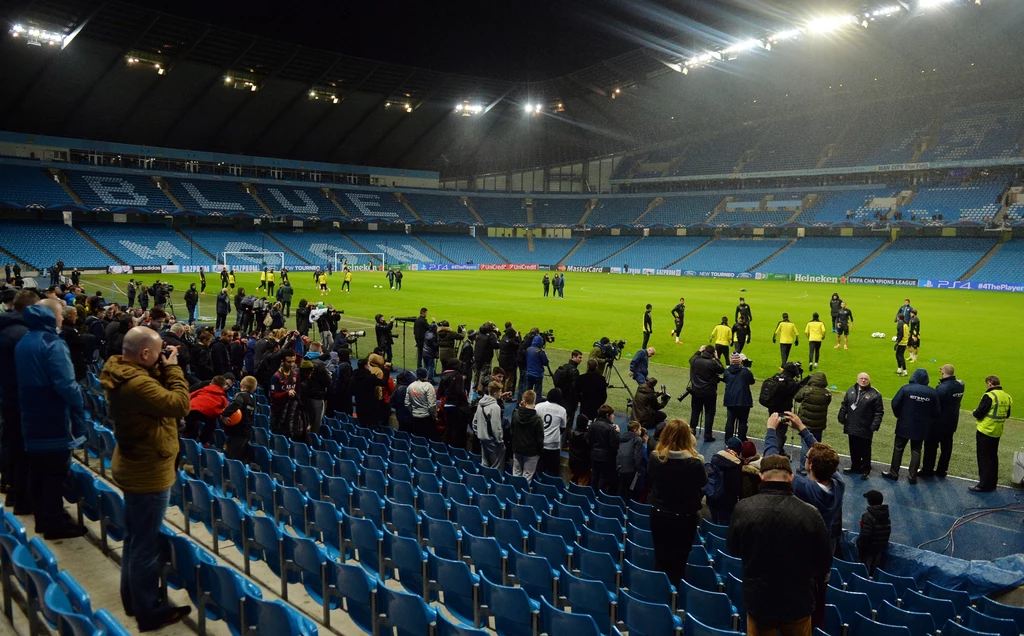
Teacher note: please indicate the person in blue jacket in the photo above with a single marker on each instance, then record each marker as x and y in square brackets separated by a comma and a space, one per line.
[638, 365]
[916, 406]
[536, 363]
[52, 415]
[821, 488]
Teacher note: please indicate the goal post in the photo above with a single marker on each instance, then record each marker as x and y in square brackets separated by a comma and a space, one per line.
[359, 261]
[252, 261]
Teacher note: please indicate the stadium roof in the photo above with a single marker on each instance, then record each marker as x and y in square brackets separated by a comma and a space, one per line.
[178, 93]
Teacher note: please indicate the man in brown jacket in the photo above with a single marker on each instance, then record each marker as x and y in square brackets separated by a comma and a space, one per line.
[147, 394]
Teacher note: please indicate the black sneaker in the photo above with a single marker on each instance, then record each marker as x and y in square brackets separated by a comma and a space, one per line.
[925, 474]
[891, 475]
[67, 532]
[940, 475]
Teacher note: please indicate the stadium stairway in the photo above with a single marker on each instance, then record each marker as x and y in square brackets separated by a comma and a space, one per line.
[62, 179]
[591, 204]
[334, 199]
[688, 254]
[619, 251]
[401, 199]
[786, 247]
[472, 210]
[870, 258]
[984, 259]
[96, 244]
[166, 189]
[254, 193]
[490, 249]
[654, 203]
[433, 249]
[12, 258]
[285, 247]
[199, 247]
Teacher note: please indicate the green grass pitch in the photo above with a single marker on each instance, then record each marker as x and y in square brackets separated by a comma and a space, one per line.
[972, 330]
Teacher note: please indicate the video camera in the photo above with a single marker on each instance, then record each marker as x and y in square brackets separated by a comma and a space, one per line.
[549, 335]
[611, 350]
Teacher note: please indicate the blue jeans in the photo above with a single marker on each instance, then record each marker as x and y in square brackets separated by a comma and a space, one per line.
[140, 558]
[430, 364]
[535, 384]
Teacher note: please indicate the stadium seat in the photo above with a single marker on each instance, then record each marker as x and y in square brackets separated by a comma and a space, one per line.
[485, 555]
[694, 627]
[647, 619]
[877, 592]
[459, 587]
[917, 622]
[649, 585]
[977, 621]
[864, 626]
[598, 566]
[940, 609]
[901, 583]
[952, 628]
[404, 556]
[406, 613]
[849, 603]
[533, 573]
[711, 608]
[961, 600]
[587, 597]
[512, 609]
[999, 610]
[352, 587]
[445, 627]
[275, 617]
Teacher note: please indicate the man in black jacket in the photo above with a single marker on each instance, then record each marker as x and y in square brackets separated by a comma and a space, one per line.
[285, 294]
[774, 527]
[951, 394]
[648, 403]
[484, 346]
[508, 349]
[705, 373]
[385, 339]
[223, 309]
[364, 390]
[861, 416]
[220, 353]
[565, 378]
[419, 330]
[603, 437]
[788, 383]
[591, 390]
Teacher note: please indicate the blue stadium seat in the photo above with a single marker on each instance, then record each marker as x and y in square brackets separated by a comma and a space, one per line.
[864, 626]
[587, 597]
[459, 587]
[442, 536]
[901, 583]
[848, 603]
[355, 589]
[647, 619]
[275, 617]
[405, 556]
[918, 623]
[406, 613]
[877, 592]
[649, 585]
[533, 573]
[694, 627]
[512, 609]
[961, 600]
[222, 592]
[711, 608]
[952, 628]
[941, 610]
[999, 610]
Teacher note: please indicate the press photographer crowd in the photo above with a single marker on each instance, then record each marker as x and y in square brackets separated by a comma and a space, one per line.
[178, 378]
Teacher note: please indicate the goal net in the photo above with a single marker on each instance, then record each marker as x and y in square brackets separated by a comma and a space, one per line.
[252, 261]
[359, 261]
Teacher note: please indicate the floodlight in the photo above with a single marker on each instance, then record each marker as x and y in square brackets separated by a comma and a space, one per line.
[786, 35]
[742, 46]
[34, 36]
[827, 24]
[227, 79]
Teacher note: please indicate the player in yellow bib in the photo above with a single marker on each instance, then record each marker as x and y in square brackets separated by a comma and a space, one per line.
[721, 337]
[815, 332]
[787, 336]
[323, 284]
[346, 286]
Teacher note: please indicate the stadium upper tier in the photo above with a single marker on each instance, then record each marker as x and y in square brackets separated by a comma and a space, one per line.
[826, 256]
[22, 187]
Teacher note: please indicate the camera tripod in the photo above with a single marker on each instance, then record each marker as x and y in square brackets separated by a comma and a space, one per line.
[608, 368]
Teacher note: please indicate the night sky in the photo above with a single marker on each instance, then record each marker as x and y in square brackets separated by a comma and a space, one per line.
[521, 40]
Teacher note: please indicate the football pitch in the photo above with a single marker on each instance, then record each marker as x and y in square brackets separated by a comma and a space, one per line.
[968, 329]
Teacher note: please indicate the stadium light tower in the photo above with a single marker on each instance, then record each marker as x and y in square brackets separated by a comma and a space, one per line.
[34, 36]
[468, 108]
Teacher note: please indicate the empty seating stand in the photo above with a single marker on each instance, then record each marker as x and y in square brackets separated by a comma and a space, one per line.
[42, 244]
[22, 186]
[942, 259]
[440, 208]
[731, 255]
[373, 205]
[828, 256]
[111, 190]
[214, 196]
[144, 244]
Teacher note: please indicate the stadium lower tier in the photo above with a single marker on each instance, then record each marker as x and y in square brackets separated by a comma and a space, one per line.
[38, 245]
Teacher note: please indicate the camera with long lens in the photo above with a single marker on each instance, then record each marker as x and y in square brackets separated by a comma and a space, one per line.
[612, 350]
[168, 287]
[549, 335]
[747, 362]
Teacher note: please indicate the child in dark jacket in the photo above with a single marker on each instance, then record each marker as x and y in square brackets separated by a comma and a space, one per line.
[875, 528]
[238, 434]
[728, 466]
[629, 462]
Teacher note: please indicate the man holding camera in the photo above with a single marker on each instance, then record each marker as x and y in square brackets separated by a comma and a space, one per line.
[536, 363]
[705, 374]
[385, 338]
[483, 353]
[648, 403]
[146, 395]
[508, 348]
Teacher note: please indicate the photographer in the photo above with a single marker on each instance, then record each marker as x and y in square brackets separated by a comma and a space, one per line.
[508, 347]
[431, 350]
[638, 365]
[705, 372]
[191, 303]
[777, 393]
[302, 323]
[385, 339]
[483, 352]
[738, 400]
[446, 339]
[648, 403]
[147, 394]
[565, 378]
[603, 353]
[419, 330]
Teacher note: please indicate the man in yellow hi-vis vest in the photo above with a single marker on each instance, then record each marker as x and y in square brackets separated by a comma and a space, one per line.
[991, 414]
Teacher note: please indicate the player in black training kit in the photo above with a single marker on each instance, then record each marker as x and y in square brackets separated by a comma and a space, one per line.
[914, 342]
[678, 314]
[743, 310]
[648, 325]
[843, 321]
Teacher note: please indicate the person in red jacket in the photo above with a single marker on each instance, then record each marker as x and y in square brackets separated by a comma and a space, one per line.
[207, 403]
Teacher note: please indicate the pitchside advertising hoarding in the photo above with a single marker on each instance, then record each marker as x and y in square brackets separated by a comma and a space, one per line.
[927, 283]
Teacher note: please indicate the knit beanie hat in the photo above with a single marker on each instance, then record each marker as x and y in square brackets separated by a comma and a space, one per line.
[748, 450]
[734, 444]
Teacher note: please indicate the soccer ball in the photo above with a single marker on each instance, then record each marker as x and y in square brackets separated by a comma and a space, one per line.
[894, 338]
